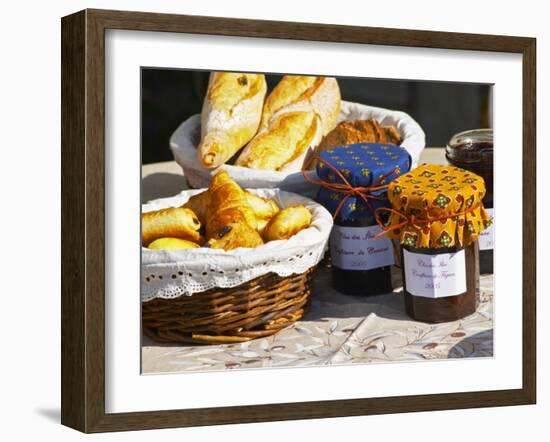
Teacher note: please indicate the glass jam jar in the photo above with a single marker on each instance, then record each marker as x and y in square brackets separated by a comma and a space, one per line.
[368, 271]
[353, 182]
[431, 301]
[438, 215]
[473, 150]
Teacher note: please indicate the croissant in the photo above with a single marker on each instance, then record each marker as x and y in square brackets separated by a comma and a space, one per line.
[230, 115]
[296, 115]
[235, 234]
[199, 203]
[263, 208]
[227, 205]
[287, 223]
[176, 222]
[172, 244]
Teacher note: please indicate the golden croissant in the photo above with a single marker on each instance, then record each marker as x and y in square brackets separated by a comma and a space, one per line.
[230, 220]
[199, 204]
[235, 234]
[263, 208]
[226, 200]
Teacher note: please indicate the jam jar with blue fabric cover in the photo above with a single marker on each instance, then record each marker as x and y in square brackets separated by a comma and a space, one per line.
[353, 183]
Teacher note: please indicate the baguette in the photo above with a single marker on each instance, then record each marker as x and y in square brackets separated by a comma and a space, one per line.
[230, 115]
[297, 92]
[296, 115]
[287, 137]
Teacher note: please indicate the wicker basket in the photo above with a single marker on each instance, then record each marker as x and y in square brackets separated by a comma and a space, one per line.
[257, 308]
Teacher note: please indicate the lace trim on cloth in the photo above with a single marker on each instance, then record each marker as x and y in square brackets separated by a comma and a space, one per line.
[170, 274]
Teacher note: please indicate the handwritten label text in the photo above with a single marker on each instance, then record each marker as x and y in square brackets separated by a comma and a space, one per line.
[355, 248]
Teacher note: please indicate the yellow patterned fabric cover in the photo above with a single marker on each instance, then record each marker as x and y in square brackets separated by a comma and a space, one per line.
[437, 206]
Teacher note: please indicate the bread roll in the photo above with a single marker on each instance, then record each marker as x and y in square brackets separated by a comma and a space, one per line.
[231, 113]
[172, 244]
[360, 131]
[287, 223]
[296, 115]
[176, 222]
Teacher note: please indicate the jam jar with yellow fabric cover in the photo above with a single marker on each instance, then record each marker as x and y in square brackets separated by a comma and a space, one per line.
[437, 213]
[353, 183]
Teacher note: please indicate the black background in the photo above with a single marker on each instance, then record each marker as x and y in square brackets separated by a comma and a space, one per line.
[442, 109]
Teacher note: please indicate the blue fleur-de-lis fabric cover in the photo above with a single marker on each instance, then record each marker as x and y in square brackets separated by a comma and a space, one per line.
[363, 165]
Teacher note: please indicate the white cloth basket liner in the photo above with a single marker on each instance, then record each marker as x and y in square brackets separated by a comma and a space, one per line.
[169, 274]
[186, 137]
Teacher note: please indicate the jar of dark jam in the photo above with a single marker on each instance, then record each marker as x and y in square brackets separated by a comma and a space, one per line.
[438, 215]
[452, 294]
[353, 182]
[368, 271]
[473, 150]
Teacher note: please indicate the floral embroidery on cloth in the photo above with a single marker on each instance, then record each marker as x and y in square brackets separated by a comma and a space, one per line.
[443, 206]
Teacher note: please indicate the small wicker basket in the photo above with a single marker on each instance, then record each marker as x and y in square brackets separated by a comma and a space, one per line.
[254, 309]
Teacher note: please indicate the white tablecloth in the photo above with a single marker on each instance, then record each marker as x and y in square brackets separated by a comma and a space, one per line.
[336, 329]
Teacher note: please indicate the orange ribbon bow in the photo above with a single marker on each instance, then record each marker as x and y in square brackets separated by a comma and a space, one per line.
[413, 220]
[346, 188]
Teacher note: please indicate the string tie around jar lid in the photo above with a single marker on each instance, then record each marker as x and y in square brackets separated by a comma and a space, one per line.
[412, 220]
[345, 188]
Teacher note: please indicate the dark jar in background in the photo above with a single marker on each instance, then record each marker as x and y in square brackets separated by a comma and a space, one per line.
[446, 299]
[473, 150]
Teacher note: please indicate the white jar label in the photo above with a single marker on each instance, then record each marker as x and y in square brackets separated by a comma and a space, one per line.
[435, 276]
[486, 238]
[355, 248]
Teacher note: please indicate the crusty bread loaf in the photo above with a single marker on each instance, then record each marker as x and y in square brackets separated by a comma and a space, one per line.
[231, 113]
[296, 115]
[304, 93]
[285, 139]
[360, 131]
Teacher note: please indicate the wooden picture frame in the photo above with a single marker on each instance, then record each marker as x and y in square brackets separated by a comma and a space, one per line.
[83, 216]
